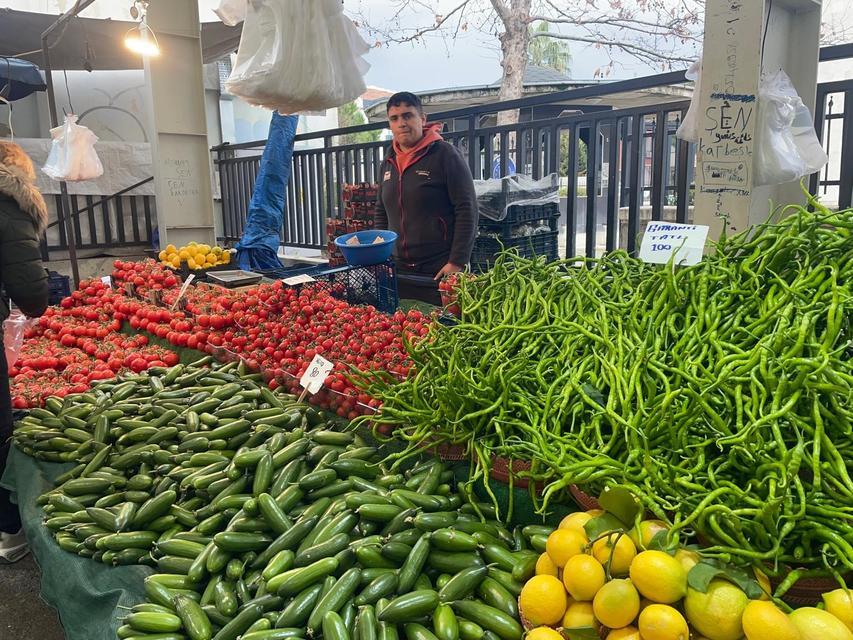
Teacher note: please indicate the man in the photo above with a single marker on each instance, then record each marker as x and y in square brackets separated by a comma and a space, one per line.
[426, 196]
[23, 216]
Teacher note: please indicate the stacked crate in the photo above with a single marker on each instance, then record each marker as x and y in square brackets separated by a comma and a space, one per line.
[359, 210]
[530, 229]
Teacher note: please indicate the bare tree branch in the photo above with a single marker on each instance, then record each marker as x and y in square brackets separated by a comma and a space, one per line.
[501, 9]
[648, 54]
[417, 34]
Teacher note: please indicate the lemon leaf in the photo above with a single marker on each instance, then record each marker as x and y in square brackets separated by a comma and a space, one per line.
[585, 633]
[659, 543]
[700, 577]
[621, 503]
[602, 524]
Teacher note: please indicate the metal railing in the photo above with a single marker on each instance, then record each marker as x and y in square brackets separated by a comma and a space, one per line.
[636, 169]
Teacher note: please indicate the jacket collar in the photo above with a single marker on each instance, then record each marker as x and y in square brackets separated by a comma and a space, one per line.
[15, 184]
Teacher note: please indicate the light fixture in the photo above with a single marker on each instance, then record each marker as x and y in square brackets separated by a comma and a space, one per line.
[141, 39]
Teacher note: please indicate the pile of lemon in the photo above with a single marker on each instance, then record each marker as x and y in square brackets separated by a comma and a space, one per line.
[619, 588]
[197, 256]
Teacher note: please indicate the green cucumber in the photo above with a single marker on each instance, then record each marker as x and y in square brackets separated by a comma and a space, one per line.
[505, 626]
[463, 583]
[410, 606]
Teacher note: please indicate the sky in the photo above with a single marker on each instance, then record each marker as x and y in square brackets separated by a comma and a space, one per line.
[472, 58]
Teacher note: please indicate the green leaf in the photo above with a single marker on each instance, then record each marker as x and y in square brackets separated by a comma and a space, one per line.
[659, 543]
[702, 574]
[594, 393]
[585, 633]
[621, 503]
[602, 524]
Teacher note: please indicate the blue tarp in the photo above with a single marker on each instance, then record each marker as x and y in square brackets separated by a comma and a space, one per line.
[258, 248]
[19, 78]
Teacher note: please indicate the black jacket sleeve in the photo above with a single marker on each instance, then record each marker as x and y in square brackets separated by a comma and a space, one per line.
[21, 269]
[380, 215]
[460, 189]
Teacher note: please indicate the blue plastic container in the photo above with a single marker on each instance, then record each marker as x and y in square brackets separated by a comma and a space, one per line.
[366, 252]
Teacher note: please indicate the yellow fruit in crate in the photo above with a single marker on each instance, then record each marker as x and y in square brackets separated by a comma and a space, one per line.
[662, 622]
[642, 533]
[546, 567]
[579, 615]
[625, 633]
[617, 551]
[210, 259]
[763, 620]
[170, 248]
[659, 577]
[616, 604]
[576, 521]
[816, 624]
[717, 613]
[562, 544]
[183, 255]
[226, 257]
[192, 250]
[176, 262]
[163, 255]
[543, 600]
[840, 604]
[544, 633]
[764, 583]
[583, 576]
[687, 558]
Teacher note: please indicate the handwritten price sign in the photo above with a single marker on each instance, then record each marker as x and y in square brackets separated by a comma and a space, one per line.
[662, 240]
[313, 378]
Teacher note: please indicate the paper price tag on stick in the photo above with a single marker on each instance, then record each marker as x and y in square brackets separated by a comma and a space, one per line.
[663, 239]
[183, 290]
[107, 280]
[313, 378]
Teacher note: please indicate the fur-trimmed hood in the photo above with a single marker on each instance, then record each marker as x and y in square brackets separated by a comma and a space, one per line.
[18, 183]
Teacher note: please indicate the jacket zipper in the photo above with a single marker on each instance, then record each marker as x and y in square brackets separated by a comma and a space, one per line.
[402, 217]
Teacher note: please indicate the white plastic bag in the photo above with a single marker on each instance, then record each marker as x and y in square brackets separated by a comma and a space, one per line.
[298, 56]
[786, 145]
[689, 127]
[231, 12]
[14, 328]
[72, 154]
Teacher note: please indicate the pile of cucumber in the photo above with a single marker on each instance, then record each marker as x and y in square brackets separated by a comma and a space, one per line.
[265, 521]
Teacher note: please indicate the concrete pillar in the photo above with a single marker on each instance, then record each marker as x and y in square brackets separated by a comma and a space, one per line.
[179, 145]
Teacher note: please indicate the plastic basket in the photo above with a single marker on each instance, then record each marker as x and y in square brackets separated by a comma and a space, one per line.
[523, 214]
[368, 251]
[374, 285]
[486, 248]
[59, 287]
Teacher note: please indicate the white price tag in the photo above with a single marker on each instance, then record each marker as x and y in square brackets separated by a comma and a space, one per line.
[300, 279]
[663, 239]
[107, 280]
[313, 378]
[183, 290]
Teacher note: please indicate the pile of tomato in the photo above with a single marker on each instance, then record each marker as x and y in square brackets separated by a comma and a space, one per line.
[273, 328]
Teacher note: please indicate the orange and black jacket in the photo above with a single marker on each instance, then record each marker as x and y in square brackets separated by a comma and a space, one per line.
[430, 204]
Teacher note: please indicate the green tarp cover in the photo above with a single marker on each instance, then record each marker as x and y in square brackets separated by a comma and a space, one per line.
[84, 592]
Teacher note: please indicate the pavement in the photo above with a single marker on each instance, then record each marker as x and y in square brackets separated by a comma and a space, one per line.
[23, 614]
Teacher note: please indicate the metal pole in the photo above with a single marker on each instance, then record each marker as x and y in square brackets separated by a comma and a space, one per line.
[65, 208]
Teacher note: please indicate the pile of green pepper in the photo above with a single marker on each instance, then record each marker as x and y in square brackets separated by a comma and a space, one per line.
[720, 393]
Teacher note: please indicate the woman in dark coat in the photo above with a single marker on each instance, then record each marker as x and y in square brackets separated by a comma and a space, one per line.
[23, 217]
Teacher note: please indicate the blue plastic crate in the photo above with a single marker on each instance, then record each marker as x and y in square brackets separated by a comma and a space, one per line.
[59, 287]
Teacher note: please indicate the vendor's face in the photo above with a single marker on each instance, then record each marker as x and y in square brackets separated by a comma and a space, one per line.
[407, 125]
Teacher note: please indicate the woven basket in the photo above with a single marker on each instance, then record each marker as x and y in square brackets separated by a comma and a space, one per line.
[504, 468]
[584, 500]
[445, 451]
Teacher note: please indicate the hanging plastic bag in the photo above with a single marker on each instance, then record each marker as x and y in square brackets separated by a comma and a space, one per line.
[232, 12]
[298, 56]
[786, 147]
[14, 328]
[72, 154]
[689, 127]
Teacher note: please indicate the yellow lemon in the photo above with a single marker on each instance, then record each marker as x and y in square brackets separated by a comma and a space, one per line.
[815, 624]
[191, 263]
[545, 566]
[216, 251]
[642, 533]
[575, 521]
[226, 257]
[191, 250]
[544, 633]
[763, 582]
[717, 613]
[583, 576]
[210, 259]
[562, 544]
[176, 262]
[183, 255]
[617, 551]
[688, 559]
[659, 577]
[543, 600]
[763, 620]
[662, 622]
[579, 615]
[192, 244]
[163, 255]
[616, 604]
[840, 604]
[625, 633]
[170, 248]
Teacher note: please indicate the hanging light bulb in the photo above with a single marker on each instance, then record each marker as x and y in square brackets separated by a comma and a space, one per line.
[142, 39]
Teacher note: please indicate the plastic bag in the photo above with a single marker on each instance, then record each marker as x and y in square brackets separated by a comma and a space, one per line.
[72, 154]
[689, 127]
[298, 56]
[14, 328]
[232, 12]
[787, 147]
[495, 197]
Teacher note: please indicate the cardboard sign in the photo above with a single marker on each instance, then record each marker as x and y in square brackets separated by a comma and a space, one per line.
[292, 281]
[662, 240]
[107, 280]
[313, 378]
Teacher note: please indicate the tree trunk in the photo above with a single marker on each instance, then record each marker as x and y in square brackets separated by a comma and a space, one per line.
[514, 41]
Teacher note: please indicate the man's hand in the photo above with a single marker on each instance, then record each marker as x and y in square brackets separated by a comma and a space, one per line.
[447, 269]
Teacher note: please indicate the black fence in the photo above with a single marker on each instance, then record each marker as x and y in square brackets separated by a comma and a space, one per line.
[635, 168]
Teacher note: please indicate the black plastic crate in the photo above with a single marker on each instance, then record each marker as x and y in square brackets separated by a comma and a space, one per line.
[59, 287]
[486, 248]
[519, 228]
[368, 285]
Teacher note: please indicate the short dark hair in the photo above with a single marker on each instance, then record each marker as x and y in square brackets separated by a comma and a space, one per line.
[404, 98]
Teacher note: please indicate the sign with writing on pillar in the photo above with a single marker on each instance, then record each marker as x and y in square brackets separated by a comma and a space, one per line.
[731, 65]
